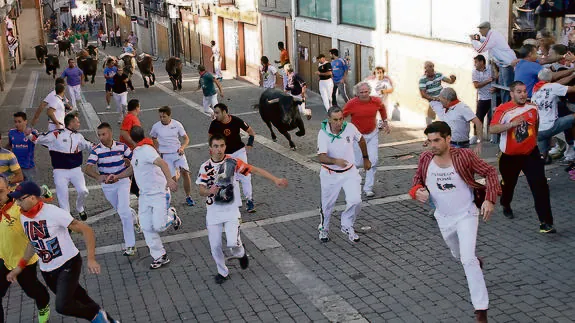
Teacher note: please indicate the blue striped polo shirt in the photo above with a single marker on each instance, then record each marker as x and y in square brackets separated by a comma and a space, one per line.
[110, 160]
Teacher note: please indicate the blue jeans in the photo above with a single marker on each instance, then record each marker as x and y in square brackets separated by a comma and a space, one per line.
[460, 145]
[559, 126]
[506, 77]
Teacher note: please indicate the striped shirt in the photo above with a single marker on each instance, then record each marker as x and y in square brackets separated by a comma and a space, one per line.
[467, 164]
[431, 87]
[110, 160]
[8, 163]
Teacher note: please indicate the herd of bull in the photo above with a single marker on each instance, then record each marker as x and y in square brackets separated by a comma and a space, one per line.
[87, 60]
[275, 106]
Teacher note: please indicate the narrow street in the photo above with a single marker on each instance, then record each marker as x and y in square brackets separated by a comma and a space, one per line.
[400, 271]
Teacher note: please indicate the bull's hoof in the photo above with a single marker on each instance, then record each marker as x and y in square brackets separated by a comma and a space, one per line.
[92, 81]
[175, 88]
[180, 87]
[294, 148]
[152, 83]
[274, 139]
[146, 86]
[300, 133]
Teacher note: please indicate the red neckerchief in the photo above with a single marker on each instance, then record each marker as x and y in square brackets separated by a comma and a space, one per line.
[5, 208]
[145, 141]
[33, 211]
[538, 85]
[452, 103]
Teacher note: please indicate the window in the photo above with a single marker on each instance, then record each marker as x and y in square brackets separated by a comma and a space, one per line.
[358, 12]
[319, 9]
[436, 18]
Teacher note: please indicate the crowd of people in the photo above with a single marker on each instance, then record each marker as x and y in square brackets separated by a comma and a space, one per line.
[150, 166]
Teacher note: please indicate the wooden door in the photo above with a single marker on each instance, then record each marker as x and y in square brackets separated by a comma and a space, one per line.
[221, 40]
[303, 56]
[241, 50]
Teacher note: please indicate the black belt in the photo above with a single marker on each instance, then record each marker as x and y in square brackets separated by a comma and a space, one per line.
[460, 143]
[336, 170]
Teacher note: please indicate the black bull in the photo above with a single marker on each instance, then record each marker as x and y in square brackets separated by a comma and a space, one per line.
[41, 52]
[174, 69]
[64, 46]
[281, 110]
[89, 66]
[52, 64]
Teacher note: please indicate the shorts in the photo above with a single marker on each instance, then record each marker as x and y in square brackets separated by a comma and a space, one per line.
[176, 161]
[109, 87]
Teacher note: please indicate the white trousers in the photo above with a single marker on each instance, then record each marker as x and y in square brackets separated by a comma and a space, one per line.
[460, 235]
[75, 93]
[331, 185]
[118, 194]
[246, 181]
[154, 218]
[218, 67]
[209, 102]
[325, 90]
[121, 100]
[372, 142]
[62, 177]
[233, 242]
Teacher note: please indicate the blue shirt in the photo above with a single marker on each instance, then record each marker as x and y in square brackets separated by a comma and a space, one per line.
[338, 69]
[73, 76]
[110, 72]
[526, 72]
[22, 148]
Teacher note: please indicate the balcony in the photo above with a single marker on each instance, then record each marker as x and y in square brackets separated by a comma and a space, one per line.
[158, 7]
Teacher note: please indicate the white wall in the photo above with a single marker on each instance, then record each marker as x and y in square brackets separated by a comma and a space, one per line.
[273, 31]
[29, 37]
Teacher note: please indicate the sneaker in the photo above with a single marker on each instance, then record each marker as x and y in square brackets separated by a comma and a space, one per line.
[221, 279]
[177, 222]
[102, 317]
[546, 228]
[250, 206]
[473, 140]
[189, 201]
[481, 316]
[507, 211]
[137, 227]
[369, 194]
[323, 235]
[555, 150]
[107, 107]
[44, 314]
[83, 216]
[244, 261]
[129, 251]
[47, 193]
[569, 154]
[352, 236]
[157, 263]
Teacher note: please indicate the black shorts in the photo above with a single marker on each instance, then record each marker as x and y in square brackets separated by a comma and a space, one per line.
[108, 87]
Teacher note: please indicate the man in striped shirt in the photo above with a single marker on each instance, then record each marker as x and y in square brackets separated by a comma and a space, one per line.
[430, 87]
[9, 167]
[107, 159]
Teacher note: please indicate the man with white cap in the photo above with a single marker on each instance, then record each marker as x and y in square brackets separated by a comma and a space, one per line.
[494, 42]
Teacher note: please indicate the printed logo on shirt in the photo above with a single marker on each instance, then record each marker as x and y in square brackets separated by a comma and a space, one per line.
[522, 131]
[38, 234]
[227, 132]
[348, 140]
[445, 181]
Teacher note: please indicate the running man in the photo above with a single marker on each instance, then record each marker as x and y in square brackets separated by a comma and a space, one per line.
[75, 80]
[13, 244]
[208, 85]
[447, 175]
[109, 72]
[155, 181]
[230, 127]
[217, 182]
[59, 103]
[109, 158]
[335, 145]
[284, 59]
[166, 135]
[120, 92]
[66, 146]
[131, 120]
[47, 226]
[23, 148]
[217, 59]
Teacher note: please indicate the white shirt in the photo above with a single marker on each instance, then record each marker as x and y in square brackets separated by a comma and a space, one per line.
[483, 93]
[546, 99]
[450, 194]
[168, 136]
[495, 43]
[341, 148]
[104, 37]
[457, 117]
[216, 52]
[48, 233]
[209, 174]
[118, 33]
[269, 77]
[55, 102]
[150, 178]
[378, 85]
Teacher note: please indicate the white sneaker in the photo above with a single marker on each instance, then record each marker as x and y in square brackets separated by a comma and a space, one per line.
[569, 154]
[473, 140]
[107, 107]
[351, 235]
[555, 150]
[323, 235]
[369, 194]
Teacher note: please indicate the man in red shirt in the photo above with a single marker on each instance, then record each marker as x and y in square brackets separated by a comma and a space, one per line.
[517, 121]
[131, 120]
[363, 111]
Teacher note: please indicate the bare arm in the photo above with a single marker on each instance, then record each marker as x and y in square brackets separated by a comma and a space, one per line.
[17, 177]
[186, 141]
[449, 80]
[126, 135]
[479, 125]
[499, 128]
[92, 171]
[38, 113]
[427, 96]
[219, 87]
[156, 143]
[282, 182]
[566, 80]
[28, 253]
[52, 115]
[479, 85]
[164, 167]
[561, 74]
[90, 240]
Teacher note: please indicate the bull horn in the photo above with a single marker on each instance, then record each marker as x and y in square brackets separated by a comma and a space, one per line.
[276, 100]
[256, 106]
